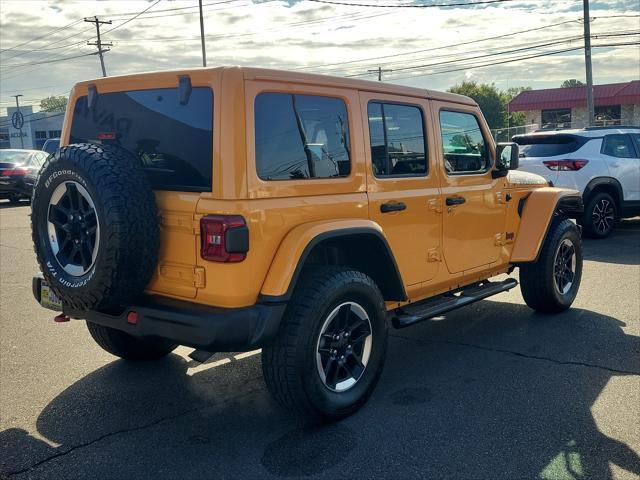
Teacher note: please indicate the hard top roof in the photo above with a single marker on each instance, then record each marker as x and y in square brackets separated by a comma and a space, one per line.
[252, 73]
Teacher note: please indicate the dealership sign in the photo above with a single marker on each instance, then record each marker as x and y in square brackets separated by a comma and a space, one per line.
[17, 120]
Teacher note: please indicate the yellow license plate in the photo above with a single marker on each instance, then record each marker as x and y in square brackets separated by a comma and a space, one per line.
[48, 299]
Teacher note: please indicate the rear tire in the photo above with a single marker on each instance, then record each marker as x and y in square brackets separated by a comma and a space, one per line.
[129, 347]
[330, 349]
[550, 284]
[599, 216]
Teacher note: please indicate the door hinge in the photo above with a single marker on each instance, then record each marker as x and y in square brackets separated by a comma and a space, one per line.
[434, 204]
[500, 198]
[433, 255]
[199, 277]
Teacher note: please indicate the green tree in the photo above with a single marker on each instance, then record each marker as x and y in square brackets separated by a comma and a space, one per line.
[517, 119]
[488, 98]
[53, 104]
[572, 82]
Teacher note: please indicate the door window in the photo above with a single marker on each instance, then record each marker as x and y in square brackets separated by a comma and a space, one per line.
[464, 147]
[619, 146]
[397, 140]
[301, 137]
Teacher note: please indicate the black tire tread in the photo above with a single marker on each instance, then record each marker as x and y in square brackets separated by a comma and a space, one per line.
[279, 360]
[586, 220]
[536, 279]
[130, 242]
[126, 346]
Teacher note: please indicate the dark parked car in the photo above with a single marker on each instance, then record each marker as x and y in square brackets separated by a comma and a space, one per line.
[51, 145]
[18, 172]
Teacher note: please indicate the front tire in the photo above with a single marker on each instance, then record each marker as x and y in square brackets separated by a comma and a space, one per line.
[599, 216]
[550, 284]
[330, 349]
[129, 347]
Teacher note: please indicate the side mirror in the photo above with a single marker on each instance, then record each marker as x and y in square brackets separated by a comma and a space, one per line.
[507, 156]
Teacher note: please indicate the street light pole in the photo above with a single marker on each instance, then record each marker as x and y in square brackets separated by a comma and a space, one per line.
[20, 129]
[204, 53]
[587, 63]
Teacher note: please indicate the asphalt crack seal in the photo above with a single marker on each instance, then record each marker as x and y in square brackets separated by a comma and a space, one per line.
[517, 354]
[125, 430]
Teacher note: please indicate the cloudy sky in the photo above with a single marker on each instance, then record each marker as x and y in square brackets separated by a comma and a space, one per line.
[426, 47]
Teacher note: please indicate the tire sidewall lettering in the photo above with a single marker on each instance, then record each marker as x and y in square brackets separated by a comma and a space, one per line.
[59, 277]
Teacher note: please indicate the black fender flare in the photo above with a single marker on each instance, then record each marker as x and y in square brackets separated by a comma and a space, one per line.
[382, 266]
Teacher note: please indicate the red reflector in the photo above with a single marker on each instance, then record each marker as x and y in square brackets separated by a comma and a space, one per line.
[214, 231]
[61, 318]
[132, 318]
[106, 136]
[15, 172]
[565, 165]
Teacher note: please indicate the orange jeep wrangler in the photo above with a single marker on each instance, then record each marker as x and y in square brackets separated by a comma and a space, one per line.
[230, 209]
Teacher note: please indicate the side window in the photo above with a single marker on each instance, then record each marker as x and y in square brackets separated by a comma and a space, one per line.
[464, 147]
[301, 136]
[618, 146]
[397, 138]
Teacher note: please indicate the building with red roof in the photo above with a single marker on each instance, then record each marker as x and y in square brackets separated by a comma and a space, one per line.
[615, 104]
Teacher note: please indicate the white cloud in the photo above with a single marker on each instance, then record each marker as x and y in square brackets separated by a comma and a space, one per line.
[298, 34]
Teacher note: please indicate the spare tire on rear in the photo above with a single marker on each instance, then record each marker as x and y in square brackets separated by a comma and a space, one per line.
[95, 226]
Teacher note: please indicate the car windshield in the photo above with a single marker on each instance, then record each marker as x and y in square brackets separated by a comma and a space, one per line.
[548, 145]
[14, 157]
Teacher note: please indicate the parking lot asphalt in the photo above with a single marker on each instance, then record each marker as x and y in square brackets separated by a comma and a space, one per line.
[492, 391]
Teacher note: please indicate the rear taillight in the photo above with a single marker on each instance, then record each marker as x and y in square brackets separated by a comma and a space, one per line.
[565, 165]
[14, 172]
[224, 238]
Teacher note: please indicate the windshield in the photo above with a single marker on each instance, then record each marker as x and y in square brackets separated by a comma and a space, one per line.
[548, 145]
[14, 157]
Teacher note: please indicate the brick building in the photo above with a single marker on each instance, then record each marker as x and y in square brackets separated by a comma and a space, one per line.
[615, 104]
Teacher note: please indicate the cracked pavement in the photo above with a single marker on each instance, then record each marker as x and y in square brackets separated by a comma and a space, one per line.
[490, 391]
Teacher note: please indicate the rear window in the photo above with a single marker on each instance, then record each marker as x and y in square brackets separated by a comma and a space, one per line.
[174, 142]
[548, 145]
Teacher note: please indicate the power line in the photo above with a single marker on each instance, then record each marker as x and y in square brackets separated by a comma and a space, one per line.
[51, 60]
[51, 32]
[505, 52]
[419, 5]
[478, 40]
[518, 59]
[441, 47]
[133, 18]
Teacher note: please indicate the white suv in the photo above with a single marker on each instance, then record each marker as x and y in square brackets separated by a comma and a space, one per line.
[603, 163]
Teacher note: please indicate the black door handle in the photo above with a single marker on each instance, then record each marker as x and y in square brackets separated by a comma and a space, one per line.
[455, 201]
[392, 207]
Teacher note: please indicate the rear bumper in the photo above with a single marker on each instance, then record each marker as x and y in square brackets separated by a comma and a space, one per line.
[13, 188]
[208, 328]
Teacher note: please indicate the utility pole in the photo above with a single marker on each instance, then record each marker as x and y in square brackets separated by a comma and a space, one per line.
[99, 43]
[204, 52]
[21, 122]
[379, 71]
[587, 63]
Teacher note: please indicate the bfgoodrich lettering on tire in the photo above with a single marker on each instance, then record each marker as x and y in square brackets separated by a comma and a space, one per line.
[330, 349]
[94, 226]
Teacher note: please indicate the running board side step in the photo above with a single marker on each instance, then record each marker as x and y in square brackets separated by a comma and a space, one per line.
[412, 314]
